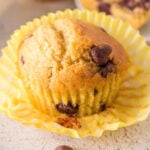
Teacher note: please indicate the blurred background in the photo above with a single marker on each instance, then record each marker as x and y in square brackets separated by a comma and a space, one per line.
[14, 13]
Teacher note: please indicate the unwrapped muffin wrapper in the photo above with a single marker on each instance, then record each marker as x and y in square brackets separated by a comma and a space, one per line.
[131, 105]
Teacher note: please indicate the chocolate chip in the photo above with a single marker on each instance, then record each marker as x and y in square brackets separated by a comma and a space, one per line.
[22, 60]
[100, 54]
[67, 109]
[102, 107]
[104, 7]
[63, 147]
[147, 5]
[142, 4]
[107, 68]
[95, 91]
[131, 4]
[102, 29]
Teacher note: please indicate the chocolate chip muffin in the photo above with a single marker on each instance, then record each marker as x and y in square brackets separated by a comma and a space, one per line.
[79, 65]
[77, 73]
[136, 12]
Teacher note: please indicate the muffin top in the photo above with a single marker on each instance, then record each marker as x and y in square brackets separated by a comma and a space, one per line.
[70, 52]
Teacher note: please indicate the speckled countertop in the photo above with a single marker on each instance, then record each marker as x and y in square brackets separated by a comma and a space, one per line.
[14, 136]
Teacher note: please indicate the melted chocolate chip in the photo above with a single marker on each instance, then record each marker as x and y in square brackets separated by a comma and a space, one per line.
[104, 7]
[67, 109]
[100, 54]
[107, 68]
[131, 4]
[22, 60]
[102, 29]
[95, 91]
[102, 107]
[142, 4]
[147, 5]
[63, 147]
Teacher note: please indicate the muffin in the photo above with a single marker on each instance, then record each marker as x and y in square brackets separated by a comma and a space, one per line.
[76, 63]
[75, 73]
[135, 12]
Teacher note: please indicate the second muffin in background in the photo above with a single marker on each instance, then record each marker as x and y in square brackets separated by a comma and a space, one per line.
[135, 12]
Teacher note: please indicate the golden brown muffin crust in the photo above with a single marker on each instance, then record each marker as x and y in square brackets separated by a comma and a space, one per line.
[61, 53]
[58, 58]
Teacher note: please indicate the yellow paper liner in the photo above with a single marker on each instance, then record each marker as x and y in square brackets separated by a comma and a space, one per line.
[131, 105]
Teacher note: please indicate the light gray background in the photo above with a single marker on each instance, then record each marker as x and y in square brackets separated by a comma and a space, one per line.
[14, 136]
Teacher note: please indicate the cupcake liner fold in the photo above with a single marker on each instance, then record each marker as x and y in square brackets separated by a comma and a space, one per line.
[131, 105]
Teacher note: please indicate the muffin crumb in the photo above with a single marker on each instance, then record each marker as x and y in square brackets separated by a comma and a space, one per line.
[69, 122]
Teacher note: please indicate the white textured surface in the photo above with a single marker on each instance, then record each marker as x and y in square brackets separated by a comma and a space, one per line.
[14, 13]
[14, 136]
